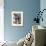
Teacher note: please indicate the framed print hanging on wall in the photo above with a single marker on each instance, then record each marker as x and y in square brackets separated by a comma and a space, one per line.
[17, 18]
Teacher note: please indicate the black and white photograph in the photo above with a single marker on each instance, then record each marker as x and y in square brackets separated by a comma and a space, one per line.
[17, 18]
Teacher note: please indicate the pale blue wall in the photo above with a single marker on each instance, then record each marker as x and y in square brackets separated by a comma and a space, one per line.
[29, 7]
[43, 6]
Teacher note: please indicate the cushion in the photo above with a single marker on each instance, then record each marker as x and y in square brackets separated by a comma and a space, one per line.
[20, 42]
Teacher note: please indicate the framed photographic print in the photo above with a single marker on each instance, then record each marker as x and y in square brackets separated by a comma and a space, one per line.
[17, 18]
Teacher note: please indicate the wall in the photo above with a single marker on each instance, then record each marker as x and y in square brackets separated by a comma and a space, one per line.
[43, 6]
[29, 7]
